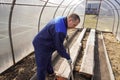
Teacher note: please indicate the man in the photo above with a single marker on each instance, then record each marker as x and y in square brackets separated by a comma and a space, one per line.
[51, 38]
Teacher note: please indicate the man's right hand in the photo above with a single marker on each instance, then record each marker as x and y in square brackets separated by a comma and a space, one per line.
[69, 61]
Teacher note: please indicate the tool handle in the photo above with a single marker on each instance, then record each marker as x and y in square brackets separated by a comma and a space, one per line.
[71, 73]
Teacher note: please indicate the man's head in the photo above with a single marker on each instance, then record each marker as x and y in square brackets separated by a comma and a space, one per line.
[73, 20]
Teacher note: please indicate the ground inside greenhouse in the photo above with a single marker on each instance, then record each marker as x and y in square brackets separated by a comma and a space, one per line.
[113, 49]
[25, 69]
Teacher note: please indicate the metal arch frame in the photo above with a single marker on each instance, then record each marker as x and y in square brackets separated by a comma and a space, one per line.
[29, 4]
[98, 13]
[67, 7]
[50, 2]
[74, 10]
[41, 14]
[85, 14]
[75, 7]
[118, 17]
[117, 2]
[21, 4]
[113, 13]
[10, 32]
[9, 26]
[117, 14]
[58, 8]
[72, 7]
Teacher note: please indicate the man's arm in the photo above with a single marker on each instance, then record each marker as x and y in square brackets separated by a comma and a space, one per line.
[59, 39]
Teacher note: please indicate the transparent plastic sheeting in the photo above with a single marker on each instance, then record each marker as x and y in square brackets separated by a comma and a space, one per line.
[118, 29]
[106, 17]
[80, 10]
[6, 1]
[25, 24]
[118, 33]
[109, 17]
[63, 10]
[5, 49]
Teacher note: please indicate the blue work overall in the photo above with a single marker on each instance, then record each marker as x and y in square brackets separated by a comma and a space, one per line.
[49, 39]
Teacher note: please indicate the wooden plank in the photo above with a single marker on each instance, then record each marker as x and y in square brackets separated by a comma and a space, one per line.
[87, 65]
[74, 53]
[107, 60]
[64, 69]
[91, 38]
[81, 35]
[88, 62]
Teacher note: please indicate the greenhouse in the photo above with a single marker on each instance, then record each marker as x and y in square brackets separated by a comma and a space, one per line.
[93, 45]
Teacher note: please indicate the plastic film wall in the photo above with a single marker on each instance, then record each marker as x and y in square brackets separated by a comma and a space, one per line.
[20, 21]
[109, 17]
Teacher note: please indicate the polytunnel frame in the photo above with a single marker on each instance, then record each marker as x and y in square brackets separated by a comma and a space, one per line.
[9, 27]
[67, 7]
[55, 11]
[117, 14]
[10, 33]
[98, 13]
[73, 8]
[10, 21]
[113, 15]
[100, 10]
[76, 7]
[70, 9]
[107, 2]
[43, 10]
[85, 14]
[41, 14]
[57, 8]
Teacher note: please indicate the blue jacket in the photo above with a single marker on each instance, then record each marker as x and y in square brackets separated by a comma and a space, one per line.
[52, 36]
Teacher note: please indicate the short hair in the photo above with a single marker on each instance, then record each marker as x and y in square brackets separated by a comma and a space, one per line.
[74, 16]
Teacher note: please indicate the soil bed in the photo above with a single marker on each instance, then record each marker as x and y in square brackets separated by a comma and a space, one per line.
[113, 49]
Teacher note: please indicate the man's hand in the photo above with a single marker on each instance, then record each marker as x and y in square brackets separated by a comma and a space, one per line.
[69, 61]
[67, 37]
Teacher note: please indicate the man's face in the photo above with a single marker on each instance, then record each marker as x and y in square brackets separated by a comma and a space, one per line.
[72, 23]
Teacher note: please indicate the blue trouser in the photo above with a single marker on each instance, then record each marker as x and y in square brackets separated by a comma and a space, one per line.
[43, 61]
